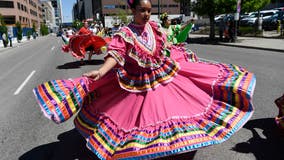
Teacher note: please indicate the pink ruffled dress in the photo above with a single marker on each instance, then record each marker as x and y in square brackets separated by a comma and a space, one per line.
[151, 105]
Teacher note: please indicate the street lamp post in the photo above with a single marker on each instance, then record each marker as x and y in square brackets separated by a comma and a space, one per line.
[236, 17]
[159, 9]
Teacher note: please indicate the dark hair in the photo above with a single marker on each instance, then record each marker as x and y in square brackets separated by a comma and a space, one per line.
[134, 3]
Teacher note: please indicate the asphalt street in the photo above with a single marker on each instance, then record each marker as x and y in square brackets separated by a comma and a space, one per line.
[26, 134]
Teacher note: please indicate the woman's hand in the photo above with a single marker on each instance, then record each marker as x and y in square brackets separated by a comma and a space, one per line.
[98, 74]
[95, 74]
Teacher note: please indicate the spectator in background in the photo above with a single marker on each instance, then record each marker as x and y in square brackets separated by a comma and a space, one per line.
[4, 39]
[69, 32]
[115, 28]
[221, 29]
[10, 38]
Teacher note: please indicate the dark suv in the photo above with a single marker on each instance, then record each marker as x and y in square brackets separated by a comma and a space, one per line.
[271, 23]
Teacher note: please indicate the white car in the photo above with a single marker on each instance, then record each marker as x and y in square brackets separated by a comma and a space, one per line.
[251, 20]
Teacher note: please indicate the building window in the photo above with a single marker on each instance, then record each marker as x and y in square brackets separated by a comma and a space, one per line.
[32, 12]
[6, 4]
[109, 6]
[173, 5]
[9, 19]
[19, 6]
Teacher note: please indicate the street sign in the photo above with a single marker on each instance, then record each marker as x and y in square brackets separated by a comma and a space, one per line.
[237, 16]
[239, 6]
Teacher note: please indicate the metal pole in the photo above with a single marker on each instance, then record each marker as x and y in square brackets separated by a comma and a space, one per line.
[159, 9]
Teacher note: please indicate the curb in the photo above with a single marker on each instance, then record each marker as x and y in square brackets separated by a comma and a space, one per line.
[252, 47]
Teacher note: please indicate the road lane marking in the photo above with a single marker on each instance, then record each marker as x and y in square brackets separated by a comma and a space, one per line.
[24, 83]
[52, 48]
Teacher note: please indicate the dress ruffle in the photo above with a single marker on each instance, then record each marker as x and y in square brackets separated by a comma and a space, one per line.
[61, 99]
[145, 81]
[228, 109]
[79, 44]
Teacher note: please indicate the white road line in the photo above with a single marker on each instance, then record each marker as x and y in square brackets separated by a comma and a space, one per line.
[52, 48]
[24, 83]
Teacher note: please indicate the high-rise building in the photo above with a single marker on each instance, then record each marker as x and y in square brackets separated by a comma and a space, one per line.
[48, 15]
[57, 5]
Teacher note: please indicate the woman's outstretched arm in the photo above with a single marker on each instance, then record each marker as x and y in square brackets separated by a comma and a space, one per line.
[107, 66]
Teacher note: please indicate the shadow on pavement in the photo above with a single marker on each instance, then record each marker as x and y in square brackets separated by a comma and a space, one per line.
[265, 146]
[184, 156]
[78, 64]
[71, 146]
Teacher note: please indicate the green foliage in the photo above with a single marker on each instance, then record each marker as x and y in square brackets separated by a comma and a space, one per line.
[29, 33]
[215, 7]
[77, 24]
[122, 15]
[43, 29]
[253, 5]
[3, 27]
[19, 31]
[34, 27]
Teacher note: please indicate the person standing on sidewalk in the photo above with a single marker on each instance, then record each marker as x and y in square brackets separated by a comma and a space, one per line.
[10, 39]
[4, 39]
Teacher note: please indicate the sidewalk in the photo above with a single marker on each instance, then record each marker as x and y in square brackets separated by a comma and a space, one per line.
[15, 43]
[272, 44]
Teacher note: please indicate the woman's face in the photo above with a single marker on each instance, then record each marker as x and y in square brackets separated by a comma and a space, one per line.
[142, 12]
[168, 22]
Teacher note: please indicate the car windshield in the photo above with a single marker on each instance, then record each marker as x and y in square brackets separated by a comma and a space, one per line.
[254, 15]
[275, 15]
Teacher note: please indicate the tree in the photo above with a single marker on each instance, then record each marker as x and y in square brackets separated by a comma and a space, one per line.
[3, 27]
[43, 29]
[122, 16]
[77, 24]
[253, 5]
[19, 31]
[34, 27]
[214, 7]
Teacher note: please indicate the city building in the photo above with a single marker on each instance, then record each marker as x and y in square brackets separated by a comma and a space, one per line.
[57, 5]
[48, 15]
[107, 10]
[27, 12]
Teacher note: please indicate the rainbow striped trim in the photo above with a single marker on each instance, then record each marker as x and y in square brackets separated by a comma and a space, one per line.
[226, 114]
[147, 81]
[58, 100]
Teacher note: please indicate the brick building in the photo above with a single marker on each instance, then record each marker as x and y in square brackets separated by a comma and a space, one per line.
[25, 11]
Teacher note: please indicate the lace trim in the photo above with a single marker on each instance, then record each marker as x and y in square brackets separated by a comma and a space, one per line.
[143, 59]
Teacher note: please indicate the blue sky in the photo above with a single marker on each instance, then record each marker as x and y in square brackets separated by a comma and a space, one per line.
[67, 6]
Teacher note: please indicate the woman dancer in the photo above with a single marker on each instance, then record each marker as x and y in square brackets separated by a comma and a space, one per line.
[142, 104]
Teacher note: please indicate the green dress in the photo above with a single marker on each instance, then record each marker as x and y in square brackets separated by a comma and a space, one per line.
[176, 35]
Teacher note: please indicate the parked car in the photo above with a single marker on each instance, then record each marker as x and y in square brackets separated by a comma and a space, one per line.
[271, 23]
[218, 18]
[252, 19]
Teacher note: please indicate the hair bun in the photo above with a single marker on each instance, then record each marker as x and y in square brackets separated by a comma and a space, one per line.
[130, 3]
[163, 16]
